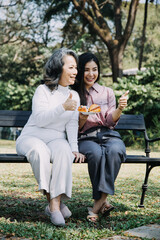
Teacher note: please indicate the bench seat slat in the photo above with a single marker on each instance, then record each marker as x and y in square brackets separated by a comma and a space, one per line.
[13, 158]
[141, 159]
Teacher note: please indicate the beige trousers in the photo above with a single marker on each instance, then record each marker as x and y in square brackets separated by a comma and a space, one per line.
[55, 179]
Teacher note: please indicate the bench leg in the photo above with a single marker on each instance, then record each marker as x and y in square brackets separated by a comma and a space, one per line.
[145, 186]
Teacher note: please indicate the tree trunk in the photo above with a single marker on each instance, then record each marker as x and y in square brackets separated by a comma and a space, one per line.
[116, 45]
[143, 35]
[116, 58]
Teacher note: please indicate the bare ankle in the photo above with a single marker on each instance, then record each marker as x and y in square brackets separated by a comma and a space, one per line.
[98, 203]
[55, 204]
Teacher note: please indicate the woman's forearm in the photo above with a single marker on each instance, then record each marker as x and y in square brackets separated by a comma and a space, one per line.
[81, 123]
[116, 114]
[82, 120]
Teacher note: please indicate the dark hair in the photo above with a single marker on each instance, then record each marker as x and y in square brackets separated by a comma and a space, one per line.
[79, 86]
[54, 66]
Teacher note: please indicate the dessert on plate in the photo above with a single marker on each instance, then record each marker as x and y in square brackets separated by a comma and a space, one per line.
[94, 108]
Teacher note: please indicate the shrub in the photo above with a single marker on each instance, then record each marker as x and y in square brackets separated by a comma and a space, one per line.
[15, 96]
[144, 98]
[144, 94]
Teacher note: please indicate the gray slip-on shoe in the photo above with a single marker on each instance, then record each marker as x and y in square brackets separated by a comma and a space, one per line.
[55, 216]
[65, 210]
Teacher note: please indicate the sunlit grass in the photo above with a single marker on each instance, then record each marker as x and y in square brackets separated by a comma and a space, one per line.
[22, 206]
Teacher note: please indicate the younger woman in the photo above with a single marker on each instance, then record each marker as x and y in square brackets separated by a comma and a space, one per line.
[102, 146]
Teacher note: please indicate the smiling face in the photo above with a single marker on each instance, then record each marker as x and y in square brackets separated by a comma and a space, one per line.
[90, 74]
[69, 71]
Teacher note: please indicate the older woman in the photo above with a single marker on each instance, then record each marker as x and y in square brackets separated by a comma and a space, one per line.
[50, 135]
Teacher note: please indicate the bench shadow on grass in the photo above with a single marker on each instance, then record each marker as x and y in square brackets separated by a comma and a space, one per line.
[32, 210]
[25, 210]
[22, 209]
[29, 209]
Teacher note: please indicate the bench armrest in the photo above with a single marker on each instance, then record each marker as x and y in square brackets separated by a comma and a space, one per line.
[153, 140]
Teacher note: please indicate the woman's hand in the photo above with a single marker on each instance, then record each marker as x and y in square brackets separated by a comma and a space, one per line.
[122, 104]
[79, 157]
[70, 104]
[123, 101]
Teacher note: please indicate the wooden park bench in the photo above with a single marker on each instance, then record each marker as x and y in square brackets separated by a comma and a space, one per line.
[136, 123]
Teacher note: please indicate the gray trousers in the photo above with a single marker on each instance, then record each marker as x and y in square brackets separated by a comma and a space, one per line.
[104, 157]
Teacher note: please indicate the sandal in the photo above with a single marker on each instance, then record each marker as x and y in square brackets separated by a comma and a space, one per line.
[92, 217]
[106, 209]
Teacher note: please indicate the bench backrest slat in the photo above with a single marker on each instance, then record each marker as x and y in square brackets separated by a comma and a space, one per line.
[131, 122]
[13, 118]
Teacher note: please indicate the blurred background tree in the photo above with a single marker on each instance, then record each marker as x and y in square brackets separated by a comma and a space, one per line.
[104, 19]
[23, 45]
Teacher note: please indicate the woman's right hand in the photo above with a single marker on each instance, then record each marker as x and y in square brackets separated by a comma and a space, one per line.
[70, 104]
[79, 157]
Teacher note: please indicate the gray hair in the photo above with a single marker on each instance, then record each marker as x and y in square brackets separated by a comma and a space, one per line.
[54, 66]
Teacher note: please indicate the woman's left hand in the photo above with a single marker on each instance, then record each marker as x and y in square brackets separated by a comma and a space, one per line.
[79, 157]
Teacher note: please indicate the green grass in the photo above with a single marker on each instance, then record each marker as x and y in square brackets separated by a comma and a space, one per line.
[22, 207]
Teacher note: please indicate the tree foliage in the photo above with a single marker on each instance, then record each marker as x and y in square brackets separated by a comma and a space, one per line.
[144, 94]
[98, 15]
[15, 96]
[23, 42]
